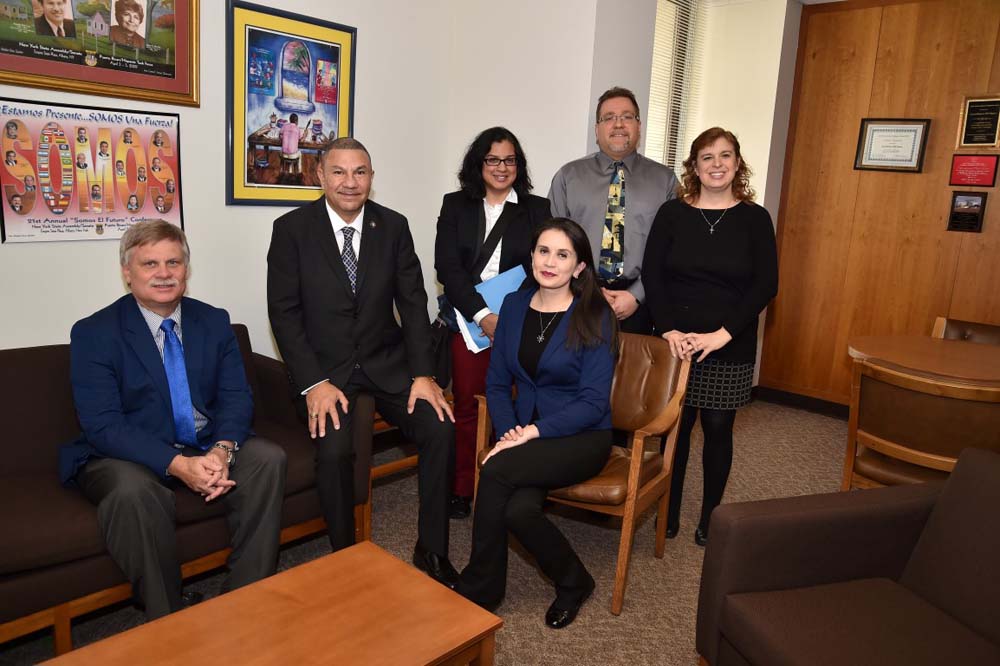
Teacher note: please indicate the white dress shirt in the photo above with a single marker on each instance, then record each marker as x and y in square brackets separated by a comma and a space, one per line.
[492, 269]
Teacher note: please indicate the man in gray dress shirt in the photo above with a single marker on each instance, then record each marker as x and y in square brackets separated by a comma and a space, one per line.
[580, 192]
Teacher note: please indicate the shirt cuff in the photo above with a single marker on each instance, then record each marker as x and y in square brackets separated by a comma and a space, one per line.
[312, 387]
[481, 315]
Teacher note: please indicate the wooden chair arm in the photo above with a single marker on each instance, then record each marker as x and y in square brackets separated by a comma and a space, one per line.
[484, 428]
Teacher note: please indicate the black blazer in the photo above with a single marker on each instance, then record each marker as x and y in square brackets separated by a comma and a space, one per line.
[461, 232]
[321, 327]
[42, 27]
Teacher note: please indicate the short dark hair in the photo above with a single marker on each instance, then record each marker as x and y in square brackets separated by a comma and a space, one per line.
[123, 6]
[470, 176]
[611, 93]
[342, 143]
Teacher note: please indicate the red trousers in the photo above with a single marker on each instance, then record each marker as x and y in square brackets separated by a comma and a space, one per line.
[468, 378]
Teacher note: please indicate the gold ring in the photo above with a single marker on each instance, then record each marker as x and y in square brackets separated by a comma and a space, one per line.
[314, 416]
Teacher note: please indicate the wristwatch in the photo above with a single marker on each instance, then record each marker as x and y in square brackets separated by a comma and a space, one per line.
[230, 452]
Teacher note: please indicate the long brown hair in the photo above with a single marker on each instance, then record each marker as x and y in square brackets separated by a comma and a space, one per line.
[690, 187]
[587, 323]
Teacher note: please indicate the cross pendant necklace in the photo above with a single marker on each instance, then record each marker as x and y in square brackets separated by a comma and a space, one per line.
[711, 225]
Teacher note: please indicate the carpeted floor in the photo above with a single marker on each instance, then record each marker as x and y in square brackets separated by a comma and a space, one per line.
[779, 451]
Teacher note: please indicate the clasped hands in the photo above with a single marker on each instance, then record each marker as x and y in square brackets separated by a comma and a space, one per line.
[623, 303]
[207, 475]
[323, 399]
[513, 437]
[686, 345]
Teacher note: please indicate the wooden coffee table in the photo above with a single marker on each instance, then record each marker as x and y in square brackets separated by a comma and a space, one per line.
[356, 606]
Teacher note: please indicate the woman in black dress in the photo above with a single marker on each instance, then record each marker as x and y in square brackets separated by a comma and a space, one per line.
[709, 269]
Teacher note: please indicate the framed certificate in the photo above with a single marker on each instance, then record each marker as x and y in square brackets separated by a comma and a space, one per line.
[892, 144]
[974, 170]
[980, 122]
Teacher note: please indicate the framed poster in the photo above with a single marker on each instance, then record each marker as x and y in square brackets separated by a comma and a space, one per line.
[892, 144]
[974, 170]
[290, 89]
[136, 49]
[979, 124]
[84, 172]
[967, 210]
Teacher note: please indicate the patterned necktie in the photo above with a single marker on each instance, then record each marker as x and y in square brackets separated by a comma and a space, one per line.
[59, 31]
[180, 392]
[612, 261]
[350, 259]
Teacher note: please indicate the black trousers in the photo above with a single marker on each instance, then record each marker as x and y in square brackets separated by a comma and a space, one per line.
[136, 513]
[512, 489]
[435, 442]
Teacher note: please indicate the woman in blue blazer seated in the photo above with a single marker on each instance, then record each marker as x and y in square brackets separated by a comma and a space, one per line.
[557, 344]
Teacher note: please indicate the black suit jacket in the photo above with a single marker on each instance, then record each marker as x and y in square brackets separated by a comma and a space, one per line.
[461, 232]
[42, 27]
[321, 327]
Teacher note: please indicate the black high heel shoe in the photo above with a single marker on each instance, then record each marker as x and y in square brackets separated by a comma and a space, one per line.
[557, 618]
[701, 536]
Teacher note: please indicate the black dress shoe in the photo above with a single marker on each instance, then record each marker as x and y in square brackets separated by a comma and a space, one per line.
[557, 618]
[459, 507]
[701, 536]
[191, 598]
[435, 566]
[672, 531]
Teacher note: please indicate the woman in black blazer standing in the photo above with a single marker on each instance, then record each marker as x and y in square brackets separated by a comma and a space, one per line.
[710, 268]
[484, 229]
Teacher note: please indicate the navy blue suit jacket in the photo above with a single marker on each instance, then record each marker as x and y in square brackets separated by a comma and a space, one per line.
[572, 389]
[121, 392]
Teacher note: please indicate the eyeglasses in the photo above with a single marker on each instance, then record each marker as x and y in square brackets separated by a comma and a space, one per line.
[495, 161]
[624, 117]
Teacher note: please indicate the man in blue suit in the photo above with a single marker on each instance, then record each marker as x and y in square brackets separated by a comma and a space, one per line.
[164, 403]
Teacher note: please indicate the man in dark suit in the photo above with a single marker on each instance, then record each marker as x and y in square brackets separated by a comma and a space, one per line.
[335, 269]
[53, 21]
[164, 402]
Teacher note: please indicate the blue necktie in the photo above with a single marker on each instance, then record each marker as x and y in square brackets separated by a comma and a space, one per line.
[350, 259]
[180, 392]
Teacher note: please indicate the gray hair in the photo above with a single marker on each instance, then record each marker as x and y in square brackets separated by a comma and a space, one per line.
[342, 143]
[149, 232]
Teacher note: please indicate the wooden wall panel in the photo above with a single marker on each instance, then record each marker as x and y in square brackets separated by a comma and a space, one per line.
[836, 70]
[867, 252]
[902, 262]
[976, 296]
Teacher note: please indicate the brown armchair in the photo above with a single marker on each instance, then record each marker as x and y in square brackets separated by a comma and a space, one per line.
[900, 575]
[646, 397]
[970, 331]
[909, 428]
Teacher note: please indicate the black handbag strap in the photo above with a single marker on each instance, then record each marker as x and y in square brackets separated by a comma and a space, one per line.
[491, 242]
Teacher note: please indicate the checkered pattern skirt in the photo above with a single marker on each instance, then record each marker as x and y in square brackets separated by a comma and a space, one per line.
[715, 384]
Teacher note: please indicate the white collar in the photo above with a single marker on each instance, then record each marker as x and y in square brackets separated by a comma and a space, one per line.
[339, 223]
[511, 198]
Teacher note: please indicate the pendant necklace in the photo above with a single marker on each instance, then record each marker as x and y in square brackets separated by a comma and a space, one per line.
[711, 225]
[541, 336]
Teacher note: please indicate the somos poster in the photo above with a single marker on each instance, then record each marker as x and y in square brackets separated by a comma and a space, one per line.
[85, 173]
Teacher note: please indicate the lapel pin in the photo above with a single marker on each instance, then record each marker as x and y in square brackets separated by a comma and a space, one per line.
[372, 224]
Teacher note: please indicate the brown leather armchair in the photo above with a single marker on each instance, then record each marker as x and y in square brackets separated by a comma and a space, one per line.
[899, 575]
[970, 331]
[646, 398]
[909, 428]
